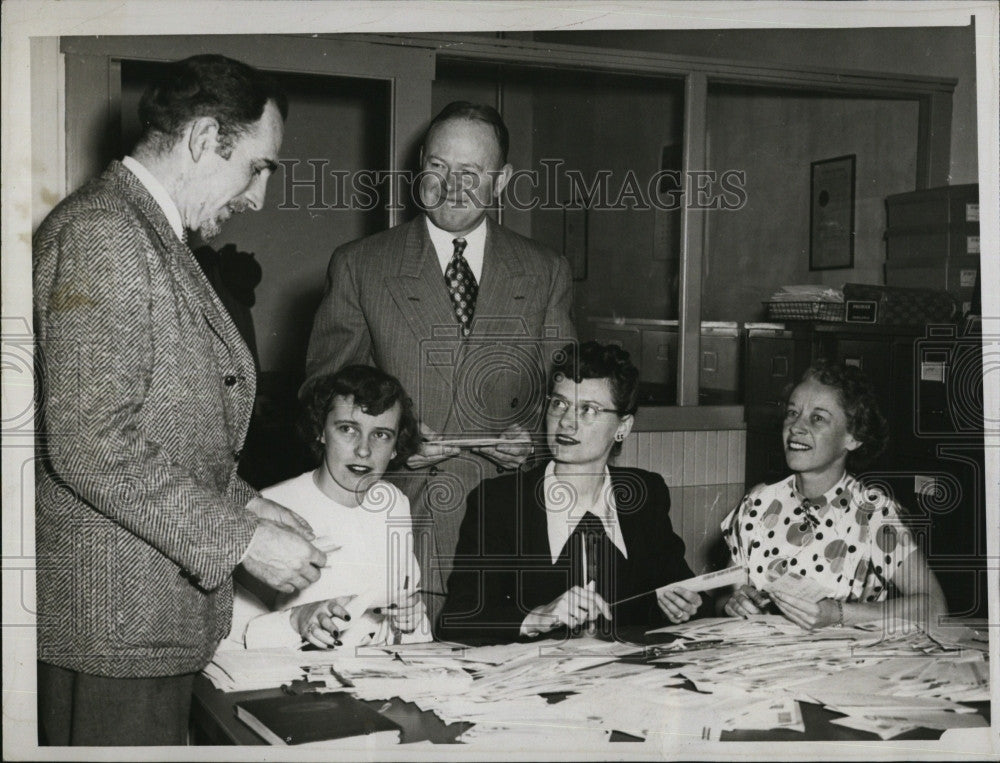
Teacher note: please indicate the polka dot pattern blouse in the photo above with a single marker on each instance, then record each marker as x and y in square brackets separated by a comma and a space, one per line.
[850, 540]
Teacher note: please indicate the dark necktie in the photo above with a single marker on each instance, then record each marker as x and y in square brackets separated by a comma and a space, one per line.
[462, 286]
[591, 541]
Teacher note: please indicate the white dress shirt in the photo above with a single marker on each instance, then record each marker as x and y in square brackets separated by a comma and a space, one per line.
[564, 510]
[159, 194]
[475, 247]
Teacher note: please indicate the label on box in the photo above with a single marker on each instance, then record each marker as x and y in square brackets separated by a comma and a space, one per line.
[861, 311]
[932, 371]
[967, 277]
[972, 244]
[972, 213]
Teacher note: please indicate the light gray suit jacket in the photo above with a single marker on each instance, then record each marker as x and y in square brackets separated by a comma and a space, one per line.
[386, 304]
[146, 395]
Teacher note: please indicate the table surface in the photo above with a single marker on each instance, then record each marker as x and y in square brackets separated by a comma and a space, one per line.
[215, 722]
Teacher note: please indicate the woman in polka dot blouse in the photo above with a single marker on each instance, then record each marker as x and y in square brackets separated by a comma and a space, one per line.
[824, 524]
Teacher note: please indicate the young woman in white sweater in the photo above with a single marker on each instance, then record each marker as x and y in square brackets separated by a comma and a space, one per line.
[358, 420]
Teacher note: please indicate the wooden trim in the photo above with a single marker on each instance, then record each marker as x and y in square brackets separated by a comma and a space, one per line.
[87, 117]
[48, 136]
[692, 243]
[558, 55]
[93, 85]
[332, 56]
[410, 113]
[934, 140]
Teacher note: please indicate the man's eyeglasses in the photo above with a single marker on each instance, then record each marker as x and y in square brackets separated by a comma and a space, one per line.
[586, 412]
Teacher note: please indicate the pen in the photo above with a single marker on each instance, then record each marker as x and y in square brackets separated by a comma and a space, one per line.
[397, 634]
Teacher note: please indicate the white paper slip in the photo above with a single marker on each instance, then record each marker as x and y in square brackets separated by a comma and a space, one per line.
[709, 581]
[734, 576]
[793, 584]
[326, 544]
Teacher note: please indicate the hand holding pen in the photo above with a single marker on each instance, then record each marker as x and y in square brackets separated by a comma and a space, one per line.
[404, 615]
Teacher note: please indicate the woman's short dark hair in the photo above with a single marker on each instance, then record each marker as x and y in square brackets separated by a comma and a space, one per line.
[592, 360]
[373, 390]
[209, 85]
[865, 421]
[478, 112]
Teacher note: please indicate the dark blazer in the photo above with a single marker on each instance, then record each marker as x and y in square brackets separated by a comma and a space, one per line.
[503, 567]
[386, 304]
[146, 394]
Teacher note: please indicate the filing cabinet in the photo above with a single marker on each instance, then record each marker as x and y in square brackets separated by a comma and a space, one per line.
[653, 346]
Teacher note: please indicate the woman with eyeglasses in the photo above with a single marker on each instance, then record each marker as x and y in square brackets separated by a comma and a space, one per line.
[572, 544]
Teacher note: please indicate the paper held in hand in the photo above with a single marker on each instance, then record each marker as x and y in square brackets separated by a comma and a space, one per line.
[794, 584]
[472, 442]
[731, 576]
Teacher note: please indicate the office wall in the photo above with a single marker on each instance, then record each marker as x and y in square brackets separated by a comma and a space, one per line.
[616, 125]
[929, 51]
[774, 137]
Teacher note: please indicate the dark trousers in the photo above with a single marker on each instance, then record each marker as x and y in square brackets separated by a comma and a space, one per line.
[85, 710]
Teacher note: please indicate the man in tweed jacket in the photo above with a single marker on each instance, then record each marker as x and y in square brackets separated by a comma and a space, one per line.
[147, 390]
[387, 302]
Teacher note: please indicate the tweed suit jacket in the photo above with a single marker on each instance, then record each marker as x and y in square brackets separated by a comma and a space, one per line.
[503, 566]
[147, 391]
[386, 304]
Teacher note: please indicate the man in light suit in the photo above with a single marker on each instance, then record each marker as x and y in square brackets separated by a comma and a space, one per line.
[464, 313]
[147, 390]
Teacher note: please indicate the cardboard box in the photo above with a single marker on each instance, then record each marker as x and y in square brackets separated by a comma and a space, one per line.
[935, 222]
[897, 306]
[956, 275]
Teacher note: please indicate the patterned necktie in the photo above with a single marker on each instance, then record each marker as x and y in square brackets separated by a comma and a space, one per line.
[462, 286]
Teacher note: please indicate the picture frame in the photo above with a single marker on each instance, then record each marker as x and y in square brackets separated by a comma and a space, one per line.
[831, 213]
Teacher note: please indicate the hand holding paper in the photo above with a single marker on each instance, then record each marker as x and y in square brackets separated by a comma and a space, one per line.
[433, 449]
[792, 584]
[510, 450]
[747, 601]
[677, 603]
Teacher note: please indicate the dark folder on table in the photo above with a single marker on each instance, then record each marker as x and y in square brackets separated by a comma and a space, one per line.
[312, 718]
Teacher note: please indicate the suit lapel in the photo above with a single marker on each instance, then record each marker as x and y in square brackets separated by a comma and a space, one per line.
[419, 292]
[199, 293]
[503, 287]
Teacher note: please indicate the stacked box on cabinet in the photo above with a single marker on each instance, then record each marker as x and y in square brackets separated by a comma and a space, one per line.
[900, 306]
[932, 240]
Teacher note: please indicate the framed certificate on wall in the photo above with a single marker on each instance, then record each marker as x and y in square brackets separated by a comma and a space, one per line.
[831, 213]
